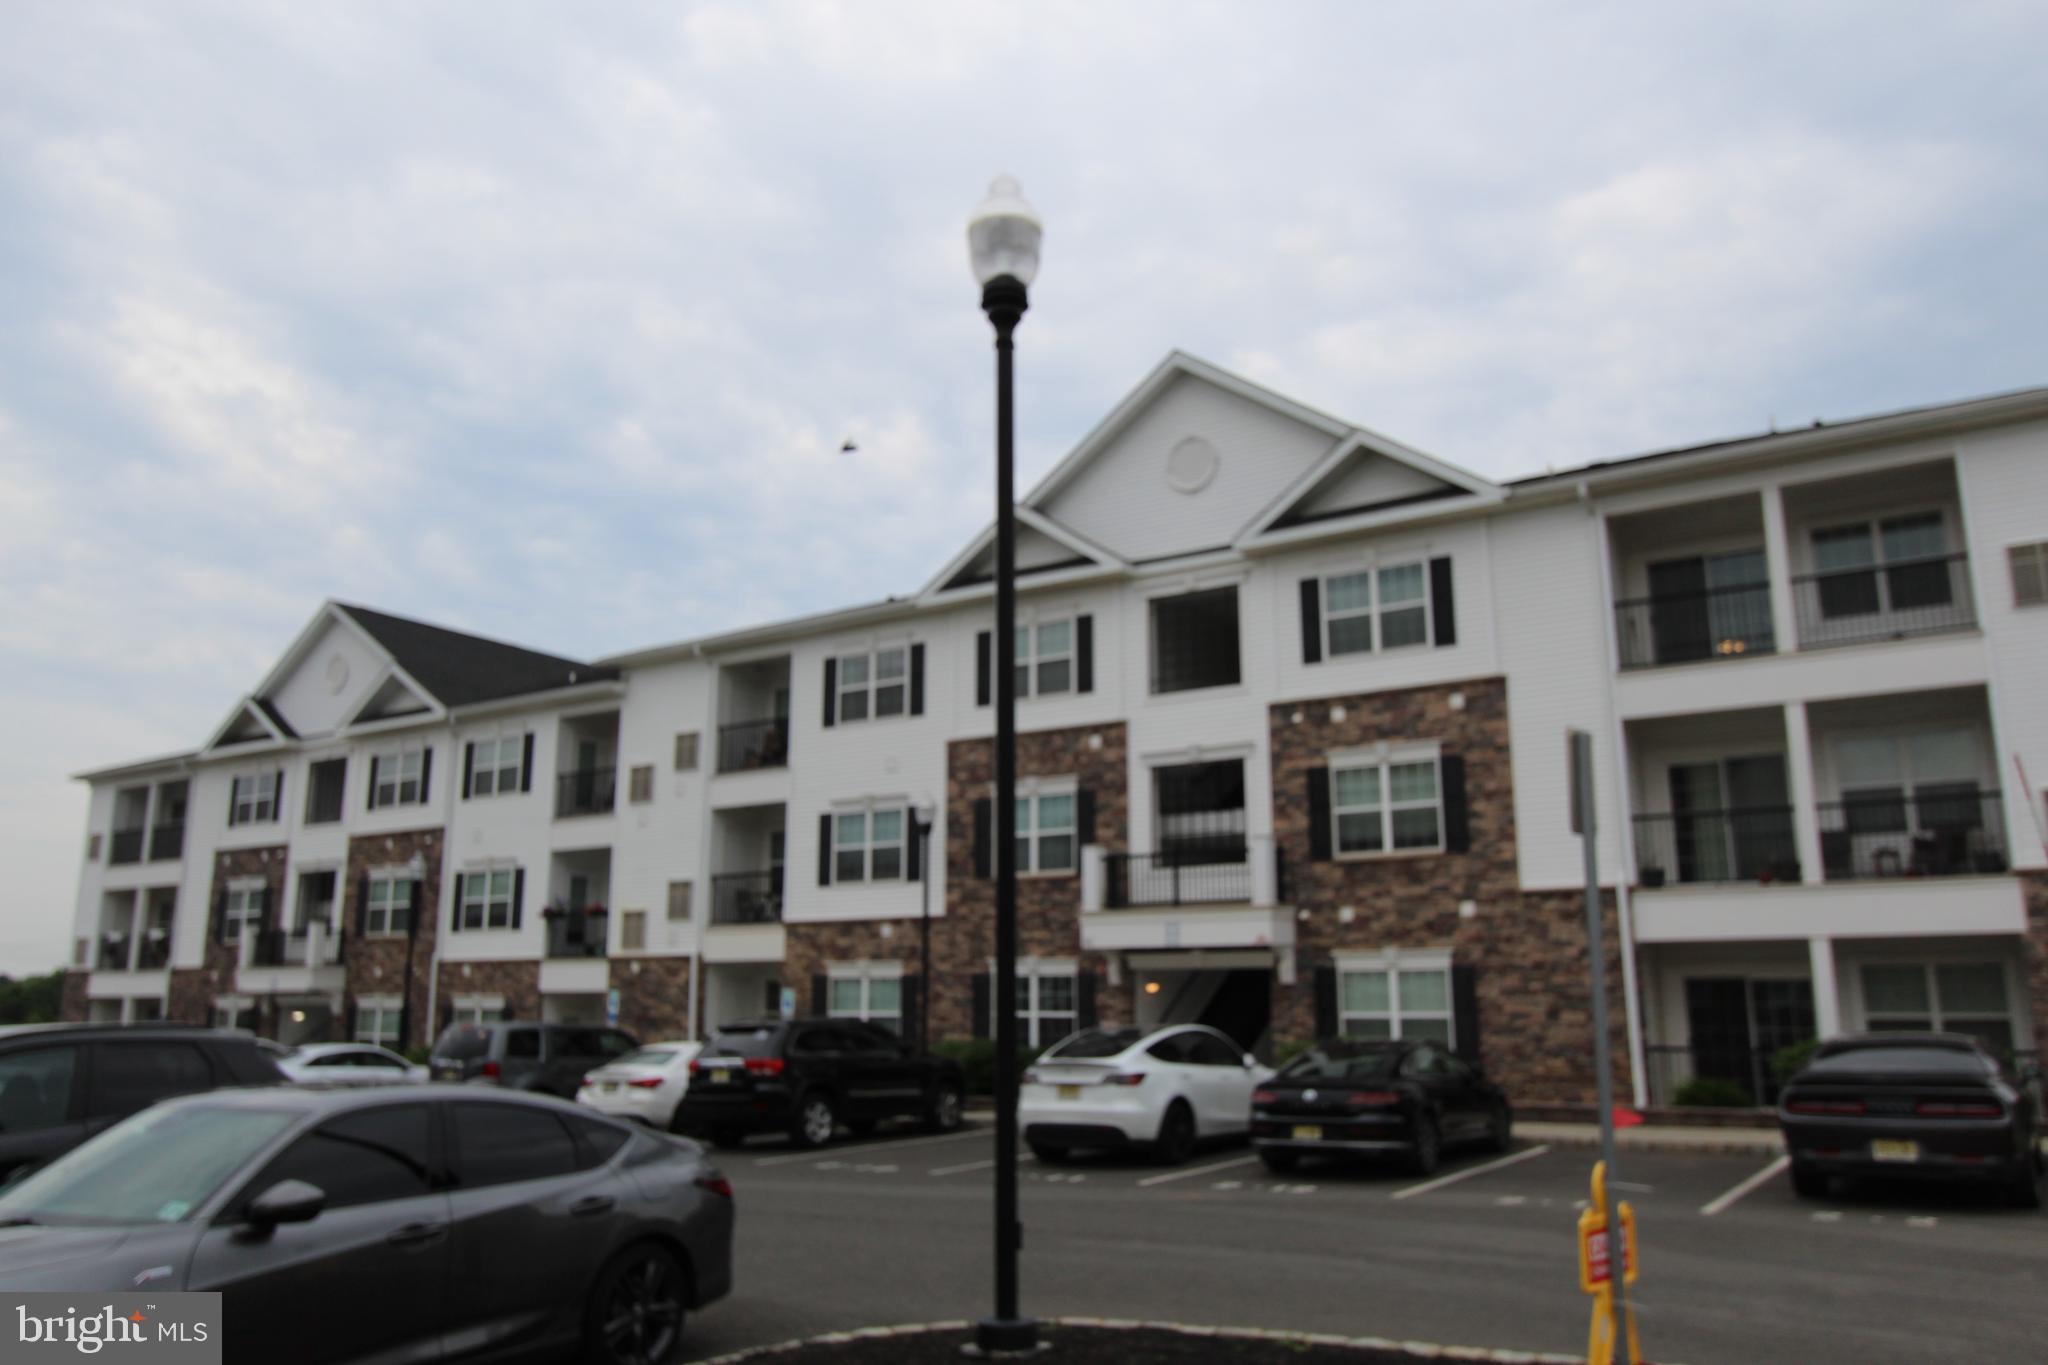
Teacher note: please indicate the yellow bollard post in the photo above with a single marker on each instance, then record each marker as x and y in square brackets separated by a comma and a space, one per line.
[1597, 1252]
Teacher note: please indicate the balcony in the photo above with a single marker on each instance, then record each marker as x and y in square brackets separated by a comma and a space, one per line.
[272, 961]
[125, 846]
[1894, 601]
[154, 952]
[750, 744]
[167, 843]
[1947, 830]
[1696, 626]
[1704, 847]
[574, 934]
[747, 897]
[113, 954]
[1187, 876]
[587, 791]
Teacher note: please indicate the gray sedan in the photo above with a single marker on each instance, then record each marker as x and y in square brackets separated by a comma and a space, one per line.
[429, 1223]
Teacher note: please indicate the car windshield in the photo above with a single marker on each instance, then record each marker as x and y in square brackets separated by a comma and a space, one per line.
[154, 1168]
[744, 1042]
[648, 1056]
[1863, 1060]
[463, 1042]
[1343, 1062]
[1097, 1042]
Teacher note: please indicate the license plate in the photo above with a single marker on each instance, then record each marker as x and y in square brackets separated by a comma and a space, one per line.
[607, 1086]
[1070, 1092]
[1307, 1132]
[719, 1075]
[1894, 1149]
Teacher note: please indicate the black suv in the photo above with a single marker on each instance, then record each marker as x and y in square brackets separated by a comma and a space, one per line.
[550, 1058]
[62, 1083]
[806, 1077]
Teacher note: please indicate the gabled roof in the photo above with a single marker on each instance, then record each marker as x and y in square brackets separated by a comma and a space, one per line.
[1427, 480]
[251, 722]
[459, 669]
[968, 567]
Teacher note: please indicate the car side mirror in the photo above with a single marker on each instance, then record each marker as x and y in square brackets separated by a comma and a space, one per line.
[288, 1201]
[1250, 1062]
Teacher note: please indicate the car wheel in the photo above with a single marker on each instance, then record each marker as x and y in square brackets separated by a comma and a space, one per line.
[1280, 1162]
[1808, 1183]
[944, 1113]
[2023, 1182]
[635, 1315]
[1049, 1153]
[1500, 1127]
[815, 1121]
[1176, 1141]
[1427, 1153]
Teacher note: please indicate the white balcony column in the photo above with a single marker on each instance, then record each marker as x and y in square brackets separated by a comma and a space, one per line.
[1265, 870]
[316, 943]
[1094, 876]
[1827, 1000]
[1778, 563]
[1799, 789]
[245, 946]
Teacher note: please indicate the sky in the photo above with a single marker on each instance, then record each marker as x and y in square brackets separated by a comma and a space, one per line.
[549, 322]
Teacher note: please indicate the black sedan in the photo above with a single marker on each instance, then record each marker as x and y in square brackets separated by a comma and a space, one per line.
[1924, 1105]
[1360, 1097]
[807, 1077]
[359, 1225]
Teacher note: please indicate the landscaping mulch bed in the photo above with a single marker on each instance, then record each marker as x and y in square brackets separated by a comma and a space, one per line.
[1088, 1344]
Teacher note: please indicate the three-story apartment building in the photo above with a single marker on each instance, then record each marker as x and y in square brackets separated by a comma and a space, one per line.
[1292, 707]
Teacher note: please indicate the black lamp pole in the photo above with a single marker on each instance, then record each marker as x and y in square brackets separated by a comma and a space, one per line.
[923, 818]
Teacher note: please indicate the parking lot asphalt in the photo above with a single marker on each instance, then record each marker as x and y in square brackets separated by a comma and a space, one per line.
[1735, 1268]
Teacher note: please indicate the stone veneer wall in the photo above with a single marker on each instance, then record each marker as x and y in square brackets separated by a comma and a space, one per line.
[654, 996]
[518, 982]
[1528, 950]
[963, 938]
[2034, 974]
[376, 966]
[71, 1006]
[193, 988]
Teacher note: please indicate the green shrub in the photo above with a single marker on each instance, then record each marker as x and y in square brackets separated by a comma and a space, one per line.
[1713, 1092]
[977, 1057]
[1790, 1060]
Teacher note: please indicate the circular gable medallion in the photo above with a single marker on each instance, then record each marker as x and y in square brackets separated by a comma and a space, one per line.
[1191, 465]
[337, 673]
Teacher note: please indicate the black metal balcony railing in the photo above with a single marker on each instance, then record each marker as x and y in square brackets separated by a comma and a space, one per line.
[588, 791]
[113, 953]
[1747, 844]
[1857, 606]
[125, 846]
[1210, 874]
[1950, 830]
[575, 933]
[753, 744]
[271, 948]
[167, 842]
[153, 953]
[747, 897]
[1678, 628]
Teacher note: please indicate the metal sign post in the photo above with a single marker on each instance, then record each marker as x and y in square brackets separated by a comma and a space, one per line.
[1585, 823]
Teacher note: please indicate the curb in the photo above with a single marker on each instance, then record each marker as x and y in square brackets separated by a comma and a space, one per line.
[1700, 1141]
[1419, 1350]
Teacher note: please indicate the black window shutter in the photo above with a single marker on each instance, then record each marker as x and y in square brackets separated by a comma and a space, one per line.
[1318, 780]
[220, 915]
[362, 904]
[370, 796]
[907, 1002]
[1457, 816]
[819, 999]
[917, 680]
[831, 691]
[1084, 654]
[980, 1004]
[982, 822]
[518, 895]
[983, 642]
[1311, 621]
[277, 797]
[1465, 1012]
[913, 850]
[1084, 816]
[1443, 611]
[468, 769]
[263, 907]
[231, 801]
[526, 764]
[461, 890]
[412, 905]
[1326, 1002]
[1084, 996]
[825, 849]
[426, 771]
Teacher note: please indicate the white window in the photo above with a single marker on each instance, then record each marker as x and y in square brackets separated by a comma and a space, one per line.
[1045, 833]
[386, 910]
[1048, 1007]
[477, 1009]
[377, 1020]
[1394, 805]
[868, 845]
[1925, 781]
[2029, 565]
[870, 995]
[487, 899]
[874, 685]
[255, 798]
[1395, 1002]
[1891, 565]
[1953, 997]
[243, 911]
[1383, 608]
[494, 765]
[397, 781]
[679, 900]
[1045, 658]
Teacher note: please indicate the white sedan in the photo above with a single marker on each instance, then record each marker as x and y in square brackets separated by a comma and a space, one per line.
[1167, 1088]
[646, 1084]
[350, 1064]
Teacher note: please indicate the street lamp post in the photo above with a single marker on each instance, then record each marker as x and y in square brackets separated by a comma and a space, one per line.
[1002, 242]
[921, 817]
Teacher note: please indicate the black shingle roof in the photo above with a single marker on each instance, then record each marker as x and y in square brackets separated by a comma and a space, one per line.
[461, 669]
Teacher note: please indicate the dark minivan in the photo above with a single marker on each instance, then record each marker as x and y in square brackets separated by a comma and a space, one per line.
[806, 1077]
[62, 1083]
[550, 1058]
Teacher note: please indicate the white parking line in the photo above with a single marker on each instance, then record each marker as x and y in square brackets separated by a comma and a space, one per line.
[966, 1166]
[872, 1147]
[1196, 1170]
[1770, 1172]
[1455, 1176]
